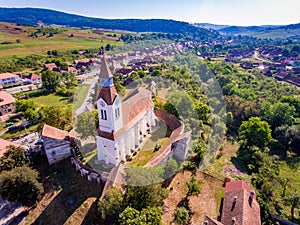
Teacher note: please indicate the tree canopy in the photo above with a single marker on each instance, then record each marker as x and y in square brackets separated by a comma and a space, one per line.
[21, 184]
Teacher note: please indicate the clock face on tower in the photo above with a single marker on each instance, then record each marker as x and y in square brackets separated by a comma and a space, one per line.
[102, 104]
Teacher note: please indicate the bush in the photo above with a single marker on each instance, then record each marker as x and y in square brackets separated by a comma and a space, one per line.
[181, 216]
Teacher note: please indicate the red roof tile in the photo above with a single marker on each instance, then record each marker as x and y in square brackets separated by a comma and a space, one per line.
[7, 75]
[240, 205]
[55, 133]
[6, 98]
[108, 95]
[4, 144]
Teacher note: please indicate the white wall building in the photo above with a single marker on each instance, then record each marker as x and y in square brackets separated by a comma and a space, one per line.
[123, 125]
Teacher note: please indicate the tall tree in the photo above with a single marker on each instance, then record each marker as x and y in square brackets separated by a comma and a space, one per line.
[51, 80]
[57, 116]
[112, 202]
[255, 132]
[21, 184]
[13, 157]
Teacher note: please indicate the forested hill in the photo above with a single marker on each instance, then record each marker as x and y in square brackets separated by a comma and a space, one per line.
[33, 16]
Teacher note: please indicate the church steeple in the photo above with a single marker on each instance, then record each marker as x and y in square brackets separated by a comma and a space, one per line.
[108, 102]
[105, 76]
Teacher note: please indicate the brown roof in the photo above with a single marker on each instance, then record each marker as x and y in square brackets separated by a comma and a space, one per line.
[4, 144]
[6, 98]
[55, 133]
[50, 65]
[108, 95]
[210, 221]
[135, 105]
[7, 75]
[105, 71]
[240, 205]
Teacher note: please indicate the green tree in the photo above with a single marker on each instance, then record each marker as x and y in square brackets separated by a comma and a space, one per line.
[13, 157]
[148, 216]
[31, 114]
[69, 79]
[181, 216]
[23, 105]
[51, 80]
[129, 216]
[144, 188]
[278, 114]
[112, 202]
[86, 124]
[57, 116]
[194, 186]
[255, 132]
[108, 47]
[293, 199]
[21, 184]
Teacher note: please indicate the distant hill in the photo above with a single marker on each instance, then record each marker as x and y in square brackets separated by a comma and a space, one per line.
[34, 16]
[211, 26]
[268, 31]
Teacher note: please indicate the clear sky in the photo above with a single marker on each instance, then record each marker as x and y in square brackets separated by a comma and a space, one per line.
[231, 12]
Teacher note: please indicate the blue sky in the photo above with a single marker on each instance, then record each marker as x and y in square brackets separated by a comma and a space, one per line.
[232, 12]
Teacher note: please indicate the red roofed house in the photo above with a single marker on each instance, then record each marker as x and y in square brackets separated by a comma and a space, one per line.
[50, 66]
[32, 78]
[122, 125]
[239, 206]
[6, 103]
[9, 79]
[56, 143]
[4, 145]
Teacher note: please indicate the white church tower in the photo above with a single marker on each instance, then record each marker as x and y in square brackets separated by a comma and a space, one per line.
[108, 102]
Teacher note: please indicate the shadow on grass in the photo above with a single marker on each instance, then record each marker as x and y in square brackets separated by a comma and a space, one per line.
[63, 178]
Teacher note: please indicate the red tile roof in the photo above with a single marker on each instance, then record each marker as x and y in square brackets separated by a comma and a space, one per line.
[50, 65]
[55, 133]
[240, 205]
[4, 144]
[7, 75]
[6, 98]
[108, 95]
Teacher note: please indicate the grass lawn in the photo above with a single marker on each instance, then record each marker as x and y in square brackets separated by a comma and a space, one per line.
[50, 100]
[80, 95]
[147, 151]
[61, 183]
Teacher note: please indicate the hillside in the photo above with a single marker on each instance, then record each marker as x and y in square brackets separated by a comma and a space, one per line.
[34, 16]
[288, 31]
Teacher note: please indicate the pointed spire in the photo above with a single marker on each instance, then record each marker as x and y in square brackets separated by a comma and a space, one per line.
[105, 71]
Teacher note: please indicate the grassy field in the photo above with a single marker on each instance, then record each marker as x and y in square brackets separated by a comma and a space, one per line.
[81, 39]
[50, 100]
[147, 151]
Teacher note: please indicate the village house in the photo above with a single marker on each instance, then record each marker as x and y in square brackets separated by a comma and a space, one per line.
[124, 71]
[31, 78]
[9, 79]
[240, 206]
[82, 63]
[51, 66]
[56, 143]
[6, 103]
[4, 144]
